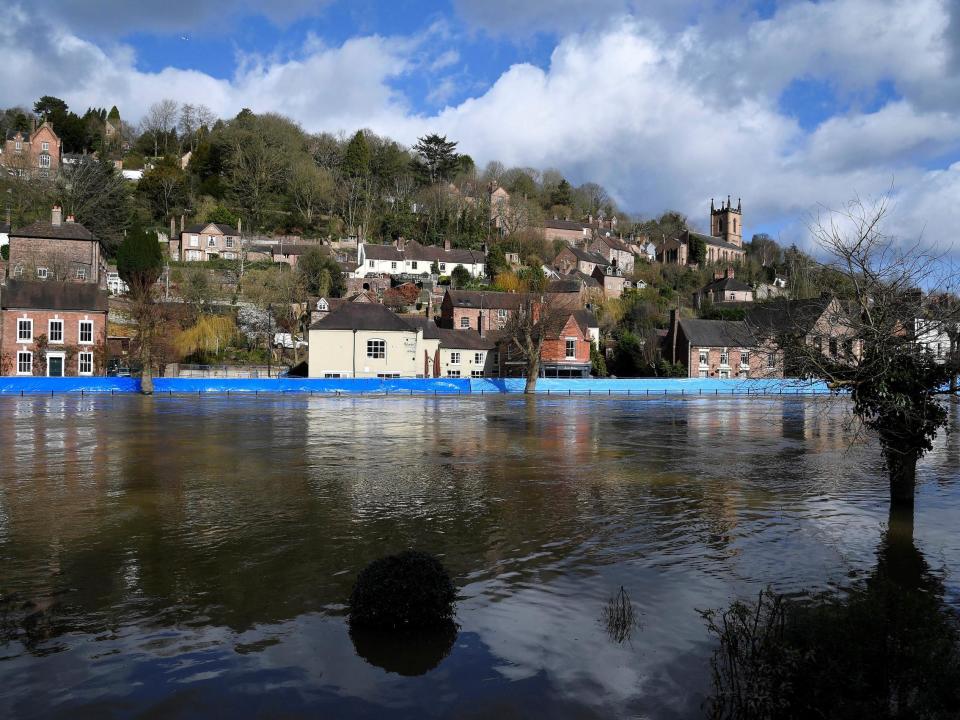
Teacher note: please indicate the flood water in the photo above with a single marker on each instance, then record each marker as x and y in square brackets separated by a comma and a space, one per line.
[191, 557]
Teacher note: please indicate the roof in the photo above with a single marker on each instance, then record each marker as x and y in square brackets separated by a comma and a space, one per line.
[586, 319]
[361, 316]
[464, 340]
[225, 229]
[428, 253]
[615, 243]
[290, 249]
[715, 241]
[63, 231]
[790, 316]
[565, 225]
[421, 322]
[483, 299]
[4, 227]
[587, 255]
[41, 295]
[717, 333]
[726, 284]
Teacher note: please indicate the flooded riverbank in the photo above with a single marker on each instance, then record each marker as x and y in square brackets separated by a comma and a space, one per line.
[190, 557]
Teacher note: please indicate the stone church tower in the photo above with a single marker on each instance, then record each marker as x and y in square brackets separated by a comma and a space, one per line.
[726, 222]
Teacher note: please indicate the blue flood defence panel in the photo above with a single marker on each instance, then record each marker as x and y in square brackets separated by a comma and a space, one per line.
[651, 386]
[33, 385]
[411, 386]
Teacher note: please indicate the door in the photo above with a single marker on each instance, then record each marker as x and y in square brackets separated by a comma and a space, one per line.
[55, 365]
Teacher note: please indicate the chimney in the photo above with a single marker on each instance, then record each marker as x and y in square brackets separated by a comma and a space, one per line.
[589, 219]
[173, 227]
[401, 242]
[239, 226]
[181, 222]
[446, 244]
[56, 216]
[70, 219]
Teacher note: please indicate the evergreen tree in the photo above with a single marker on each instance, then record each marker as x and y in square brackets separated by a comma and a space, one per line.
[437, 158]
[356, 158]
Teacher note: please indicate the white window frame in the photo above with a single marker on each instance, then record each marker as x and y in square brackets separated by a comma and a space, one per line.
[464, 322]
[370, 263]
[744, 358]
[45, 146]
[724, 374]
[80, 339]
[81, 273]
[704, 357]
[388, 376]
[413, 265]
[194, 241]
[331, 376]
[393, 264]
[211, 241]
[81, 356]
[20, 336]
[443, 267]
[567, 352]
[43, 161]
[372, 351]
[29, 362]
[725, 357]
[704, 373]
[455, 357]
[228, 242]
[18, 145]
[771, 361]
[476, 374]
[453, 373]
[42, 273]
[18, 271]
[479, 358]
[50, 324]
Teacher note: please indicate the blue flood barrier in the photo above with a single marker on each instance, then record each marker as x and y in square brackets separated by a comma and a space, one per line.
[646, 387]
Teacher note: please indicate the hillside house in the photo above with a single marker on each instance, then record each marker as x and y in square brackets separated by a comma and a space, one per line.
[412, 258]
[32, 154]
[206, 242]
[720, 349]
[725, 288]
[59, 250]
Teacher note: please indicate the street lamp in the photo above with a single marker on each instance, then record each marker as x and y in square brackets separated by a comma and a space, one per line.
[269, 336]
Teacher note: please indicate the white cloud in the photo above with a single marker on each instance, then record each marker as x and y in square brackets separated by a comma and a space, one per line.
[663, 119]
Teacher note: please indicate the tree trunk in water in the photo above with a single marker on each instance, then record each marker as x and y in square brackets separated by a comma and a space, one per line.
[146, 376]
[903, 479]
[533, 371]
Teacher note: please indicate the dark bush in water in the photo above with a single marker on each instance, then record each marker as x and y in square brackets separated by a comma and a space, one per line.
[408, 590]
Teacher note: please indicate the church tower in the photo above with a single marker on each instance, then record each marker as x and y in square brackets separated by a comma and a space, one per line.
[726, 222]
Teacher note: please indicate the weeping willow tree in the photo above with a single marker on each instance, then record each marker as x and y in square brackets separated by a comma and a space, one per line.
[207, 337]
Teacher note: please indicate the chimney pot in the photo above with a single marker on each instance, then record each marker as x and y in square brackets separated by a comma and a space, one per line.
[70, 219]
[446, 244]
[56, 216]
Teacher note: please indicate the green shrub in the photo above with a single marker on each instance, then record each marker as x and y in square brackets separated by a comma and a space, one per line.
[409, 590]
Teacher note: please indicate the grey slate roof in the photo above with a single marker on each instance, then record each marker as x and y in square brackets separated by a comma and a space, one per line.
[40, 295]
[47, 230]
[726, 284]
[565, 225]
[715, 241]
[483, 299]
[361, 316]
[427, 253]
[588, 256]
[586, 319]
[464, 340]
[225, 229]
[794, 317]
[717, 333]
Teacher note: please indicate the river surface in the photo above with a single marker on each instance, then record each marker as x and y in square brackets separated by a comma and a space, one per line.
[191, 558]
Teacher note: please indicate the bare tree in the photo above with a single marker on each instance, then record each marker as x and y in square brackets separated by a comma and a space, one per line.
[161, 117]
[539, 317]
[868, 341]
[311, 189]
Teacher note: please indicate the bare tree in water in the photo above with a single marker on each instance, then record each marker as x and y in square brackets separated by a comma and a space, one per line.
[876, 337]
[539, 316]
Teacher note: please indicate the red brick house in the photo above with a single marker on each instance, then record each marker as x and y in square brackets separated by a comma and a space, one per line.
[720, 349]
[52, 329]
[59, 250]
[33, 154]
[565, 351]
[477, 309]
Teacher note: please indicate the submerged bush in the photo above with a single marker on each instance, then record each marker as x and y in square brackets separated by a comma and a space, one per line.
[409, 590]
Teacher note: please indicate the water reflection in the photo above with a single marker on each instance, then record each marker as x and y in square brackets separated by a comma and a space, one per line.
[203, 548]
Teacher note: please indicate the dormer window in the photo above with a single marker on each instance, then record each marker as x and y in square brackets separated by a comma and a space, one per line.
[45, 146]
[18, 146]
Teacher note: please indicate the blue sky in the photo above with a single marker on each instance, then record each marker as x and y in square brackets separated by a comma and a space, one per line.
[792, 105]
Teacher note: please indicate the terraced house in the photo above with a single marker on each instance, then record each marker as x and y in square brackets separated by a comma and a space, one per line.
[411, 258]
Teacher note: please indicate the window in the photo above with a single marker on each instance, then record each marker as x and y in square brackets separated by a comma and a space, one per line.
[24, 330]
[454, 358]
[725, 357]
[369, 263]
[453, 373]
[703, 373]
[43, 161]
[42, 273]
[443, 267]
[55, 331]
[331, 375]
[377, 349]
[476, 373]
[743, 374]
[571, 348]
[833, 347]
[86, 332]
[745, 359]
[465, 322]
[194, 255]
[734, 226]
[24, 363]
[85, 363]
[211, 242]
[704, 357]
[938, 355]
[393, 264]
[18, 145]
[228, 242]
[82, 273]
[388, 376]
[413, 265]
[194, 241]
[18, 271]
[45, 146]
[771, 361]
[478, 358]
[724, 374]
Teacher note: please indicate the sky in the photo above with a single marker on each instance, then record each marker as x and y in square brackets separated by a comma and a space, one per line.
[794, 106]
